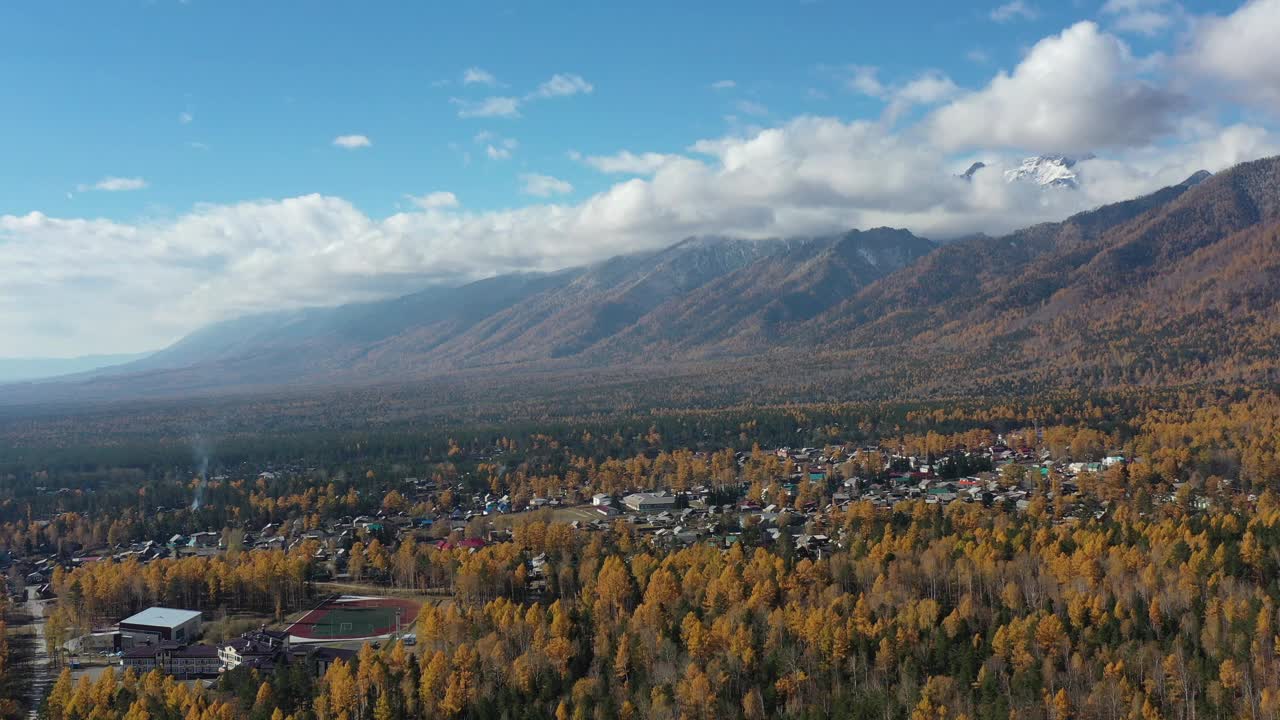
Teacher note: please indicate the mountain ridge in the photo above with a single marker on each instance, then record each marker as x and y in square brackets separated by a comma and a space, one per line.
[895, 308]
[18, 369]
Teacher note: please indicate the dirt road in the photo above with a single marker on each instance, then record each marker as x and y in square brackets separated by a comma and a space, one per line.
[41, 669]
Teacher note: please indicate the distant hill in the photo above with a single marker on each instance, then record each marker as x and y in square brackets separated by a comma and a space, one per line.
[579, 315]
[15, 369]
[1176, 286]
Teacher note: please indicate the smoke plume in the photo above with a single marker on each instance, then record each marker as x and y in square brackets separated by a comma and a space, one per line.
[200, 451]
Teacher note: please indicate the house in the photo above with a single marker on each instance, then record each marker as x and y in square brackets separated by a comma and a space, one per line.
[252, 648]
[813, 544]
[204, 540]
[264, 649]
[650, 502]
[601, 499]
[538, 564]
[153, 625]
[180, 661]
[323, 657]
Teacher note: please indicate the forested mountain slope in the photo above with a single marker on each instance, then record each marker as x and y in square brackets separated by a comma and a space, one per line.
[1180, 285]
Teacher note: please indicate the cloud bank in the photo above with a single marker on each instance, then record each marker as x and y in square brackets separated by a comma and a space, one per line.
[76, 285]
[1241, 52]
[1077, 91]
[114, 184]
[352, 142]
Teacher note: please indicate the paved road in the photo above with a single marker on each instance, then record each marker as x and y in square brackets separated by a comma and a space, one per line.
[42, 671]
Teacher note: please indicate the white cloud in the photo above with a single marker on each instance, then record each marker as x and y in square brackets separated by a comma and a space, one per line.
[493, 139]
[928, 88]
[562, 85]
[625, 162]
[1144, 17]
[76, 285]
[543, 185]
[436, 201]
[1014, 10]
[185, 118]
[478, 76]
[747, 107]
[114, 184]
[865, 79]
[978, 56]
[499, 148]
[496, 106]
[1078, 90]
[723, 85]
[352, 142]
[1205, 148]
[1241, 53]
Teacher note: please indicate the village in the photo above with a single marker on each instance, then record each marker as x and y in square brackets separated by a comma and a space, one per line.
[792, 514]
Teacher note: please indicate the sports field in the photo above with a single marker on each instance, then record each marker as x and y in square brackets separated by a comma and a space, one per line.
[353, 618]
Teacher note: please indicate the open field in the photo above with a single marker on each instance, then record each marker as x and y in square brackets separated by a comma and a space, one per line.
[581, 513]
[354, 617]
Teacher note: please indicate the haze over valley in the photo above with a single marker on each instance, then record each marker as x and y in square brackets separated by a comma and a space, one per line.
[791, 359]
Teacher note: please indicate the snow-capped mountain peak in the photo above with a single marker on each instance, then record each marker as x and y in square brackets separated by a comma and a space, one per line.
[1046, 171]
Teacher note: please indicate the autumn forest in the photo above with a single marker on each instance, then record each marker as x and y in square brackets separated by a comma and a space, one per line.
[1144, 589]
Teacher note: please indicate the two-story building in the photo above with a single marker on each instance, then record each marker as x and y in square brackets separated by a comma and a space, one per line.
[158, 624]
[650, 501]
[254, 648]
[180, 661]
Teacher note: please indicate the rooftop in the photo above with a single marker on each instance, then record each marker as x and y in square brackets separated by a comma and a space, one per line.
[663, 495]
[161, 617]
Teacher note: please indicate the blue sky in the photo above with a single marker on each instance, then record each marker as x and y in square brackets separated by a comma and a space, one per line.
[202, 151]
[98, 89]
